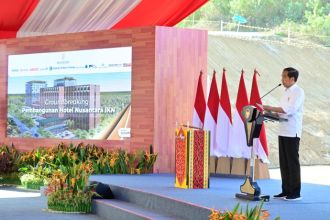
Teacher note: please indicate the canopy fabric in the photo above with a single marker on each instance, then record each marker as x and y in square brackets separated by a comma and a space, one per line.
[160, 12]
[21, 18]
[63, 16]
[13, 14]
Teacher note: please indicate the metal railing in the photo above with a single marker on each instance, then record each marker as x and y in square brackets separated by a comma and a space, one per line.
[248, 32]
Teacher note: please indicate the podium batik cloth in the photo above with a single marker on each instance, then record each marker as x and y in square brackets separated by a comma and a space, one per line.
[192, 153]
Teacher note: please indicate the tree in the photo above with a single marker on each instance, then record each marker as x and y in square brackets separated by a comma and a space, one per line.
[308, 17]
[264, 13]
[70, 123]
[295, 11]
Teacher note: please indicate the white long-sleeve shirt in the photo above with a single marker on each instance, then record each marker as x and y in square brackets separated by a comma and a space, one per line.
[292, 102]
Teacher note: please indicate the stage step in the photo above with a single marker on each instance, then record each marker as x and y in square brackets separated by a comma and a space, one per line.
[137, 204]
[113, 209]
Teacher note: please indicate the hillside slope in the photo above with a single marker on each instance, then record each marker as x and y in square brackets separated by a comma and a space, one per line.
[270, 59]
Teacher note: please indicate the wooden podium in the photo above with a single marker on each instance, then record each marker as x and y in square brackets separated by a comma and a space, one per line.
[192, 153]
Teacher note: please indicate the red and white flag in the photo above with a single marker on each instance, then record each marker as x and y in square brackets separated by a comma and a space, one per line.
[211, 115]
[200, 105]
[237, 141]
[259, 144]
[224, 123]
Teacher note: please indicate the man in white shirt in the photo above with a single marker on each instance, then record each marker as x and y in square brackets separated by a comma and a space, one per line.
[291, 108]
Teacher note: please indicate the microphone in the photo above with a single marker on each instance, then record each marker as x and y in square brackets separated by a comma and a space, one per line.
[269, 92]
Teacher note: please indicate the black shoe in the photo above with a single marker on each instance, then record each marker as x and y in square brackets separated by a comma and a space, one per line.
[293, 198]
[280, 196]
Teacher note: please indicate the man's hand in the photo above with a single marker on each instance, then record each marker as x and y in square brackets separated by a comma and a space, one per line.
[273, 109]
[267, 108]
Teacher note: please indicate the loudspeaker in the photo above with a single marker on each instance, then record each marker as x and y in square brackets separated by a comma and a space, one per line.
[102, 190]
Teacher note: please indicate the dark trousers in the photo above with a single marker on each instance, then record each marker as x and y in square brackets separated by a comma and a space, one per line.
[289, 165]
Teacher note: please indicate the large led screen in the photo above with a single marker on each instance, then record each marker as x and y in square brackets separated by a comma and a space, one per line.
[83, 94]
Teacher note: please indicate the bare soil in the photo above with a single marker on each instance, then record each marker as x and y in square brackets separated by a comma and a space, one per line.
[269, 59]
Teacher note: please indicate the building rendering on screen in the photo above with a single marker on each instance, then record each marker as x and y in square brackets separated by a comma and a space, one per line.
[77, 103]
[32, 92]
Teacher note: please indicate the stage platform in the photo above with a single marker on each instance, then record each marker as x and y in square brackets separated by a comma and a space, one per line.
[153, 196]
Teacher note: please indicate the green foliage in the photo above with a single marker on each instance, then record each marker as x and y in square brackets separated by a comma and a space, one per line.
[318, 24]
[309, 17]
[66, 170]
[44, 133]
[31, 181]
[10, 178]
[295, 12]
[70, 123]
[28, 121]
[12, 128]
[42, 162]
[16, 102]
[67, 187]
[255, 213]
[65, 200]
[9, 158]
[38, 166]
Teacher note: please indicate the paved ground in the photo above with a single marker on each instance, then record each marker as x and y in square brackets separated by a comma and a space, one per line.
[23, 205]
[309, 174]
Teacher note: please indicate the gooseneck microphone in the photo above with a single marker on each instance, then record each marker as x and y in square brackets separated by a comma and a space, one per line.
[269, 91]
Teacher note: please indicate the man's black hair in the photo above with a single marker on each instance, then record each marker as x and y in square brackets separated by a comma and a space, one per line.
[292, 72]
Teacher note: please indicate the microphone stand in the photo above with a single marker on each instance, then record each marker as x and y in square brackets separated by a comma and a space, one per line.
[269, 92]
